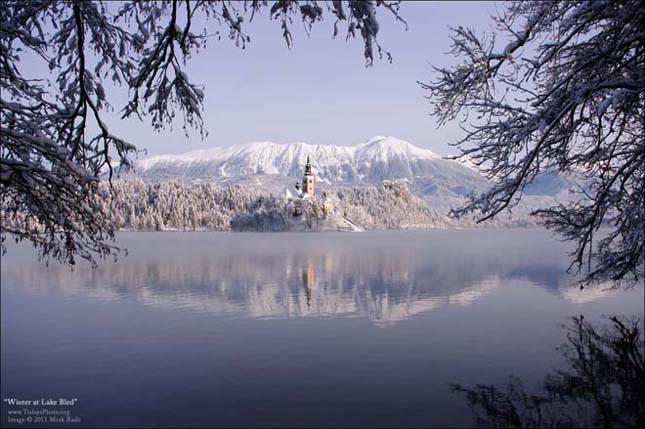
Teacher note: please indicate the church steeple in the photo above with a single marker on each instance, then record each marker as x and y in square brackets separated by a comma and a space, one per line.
[308, 180]
[308, 167]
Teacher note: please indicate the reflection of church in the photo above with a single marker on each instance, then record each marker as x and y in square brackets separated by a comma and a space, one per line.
[309, 279]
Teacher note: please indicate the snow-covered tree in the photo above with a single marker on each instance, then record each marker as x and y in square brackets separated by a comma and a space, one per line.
[54, 143]
[385, 208]
[565, 91]
[135, 205]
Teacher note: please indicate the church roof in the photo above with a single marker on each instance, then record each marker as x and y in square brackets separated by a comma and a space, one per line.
[292, 192]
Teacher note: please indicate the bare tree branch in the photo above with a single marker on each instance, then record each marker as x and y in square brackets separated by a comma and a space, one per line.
[50, 166]
[566, 94]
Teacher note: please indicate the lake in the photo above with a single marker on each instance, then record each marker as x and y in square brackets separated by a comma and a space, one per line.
[295, 330]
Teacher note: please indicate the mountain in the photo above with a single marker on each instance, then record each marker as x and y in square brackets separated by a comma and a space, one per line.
[273, 166]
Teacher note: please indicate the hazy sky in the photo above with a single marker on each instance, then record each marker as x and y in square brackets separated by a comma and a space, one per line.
[320, 91]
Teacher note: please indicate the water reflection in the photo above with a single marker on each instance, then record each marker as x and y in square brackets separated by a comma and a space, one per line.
[603, 386]
[383, 277]
[181, 327]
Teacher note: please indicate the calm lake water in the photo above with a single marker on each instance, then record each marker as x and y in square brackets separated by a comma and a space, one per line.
[296, 330]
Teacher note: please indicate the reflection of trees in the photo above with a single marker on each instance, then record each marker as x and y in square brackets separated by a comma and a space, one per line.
[385, 277]
[603, 386]
[386, 287]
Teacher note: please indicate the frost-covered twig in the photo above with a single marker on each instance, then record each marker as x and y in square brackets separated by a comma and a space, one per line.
[50, 161]
[566, 93]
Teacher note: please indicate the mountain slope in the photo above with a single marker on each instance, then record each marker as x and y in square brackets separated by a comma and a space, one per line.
[273, 166]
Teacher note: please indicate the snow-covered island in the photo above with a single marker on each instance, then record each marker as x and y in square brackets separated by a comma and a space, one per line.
[175, 206]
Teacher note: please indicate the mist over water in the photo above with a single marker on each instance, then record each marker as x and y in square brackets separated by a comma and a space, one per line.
[225, 329]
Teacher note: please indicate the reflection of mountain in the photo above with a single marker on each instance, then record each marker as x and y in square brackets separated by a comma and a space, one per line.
[576, 295]
[385, 277]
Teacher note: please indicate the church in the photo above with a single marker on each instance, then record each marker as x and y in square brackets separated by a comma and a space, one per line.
[306, 189]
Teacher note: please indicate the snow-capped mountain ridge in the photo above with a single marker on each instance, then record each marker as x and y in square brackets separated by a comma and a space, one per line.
[383, 146]
[273, 167]
[269, 152]
[368, 163]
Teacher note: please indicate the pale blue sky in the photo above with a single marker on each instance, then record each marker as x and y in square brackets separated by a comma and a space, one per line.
[320, 91]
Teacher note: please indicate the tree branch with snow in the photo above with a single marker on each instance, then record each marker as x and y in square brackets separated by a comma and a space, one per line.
[55, 145]
[565, 93]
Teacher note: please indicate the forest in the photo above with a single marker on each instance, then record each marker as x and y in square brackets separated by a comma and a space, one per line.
[132, 204]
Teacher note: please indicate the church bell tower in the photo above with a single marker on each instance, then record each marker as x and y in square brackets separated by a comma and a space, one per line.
[308, 180]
